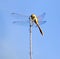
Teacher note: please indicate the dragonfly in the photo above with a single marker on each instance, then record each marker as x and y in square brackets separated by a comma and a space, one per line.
[37, 20]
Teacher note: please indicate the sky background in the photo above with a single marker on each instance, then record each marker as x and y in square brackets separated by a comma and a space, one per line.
[14, 39]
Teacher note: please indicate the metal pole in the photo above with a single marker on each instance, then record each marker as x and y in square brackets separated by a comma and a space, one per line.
[30, 39]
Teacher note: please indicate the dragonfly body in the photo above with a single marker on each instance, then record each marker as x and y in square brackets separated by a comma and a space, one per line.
[35, 20]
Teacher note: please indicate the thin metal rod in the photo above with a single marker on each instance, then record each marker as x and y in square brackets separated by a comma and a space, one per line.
[30, 39]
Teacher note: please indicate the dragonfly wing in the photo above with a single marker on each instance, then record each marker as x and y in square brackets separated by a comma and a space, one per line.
[20, 19]
[42, 22]
[41, 17]
[19, 16]
[21, 23]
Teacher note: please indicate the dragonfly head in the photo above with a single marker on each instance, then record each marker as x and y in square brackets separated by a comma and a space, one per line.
[33, 16]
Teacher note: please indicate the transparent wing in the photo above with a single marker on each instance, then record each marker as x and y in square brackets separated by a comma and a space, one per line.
[42, 22]
[21, 23]
[19, 16]
[20, 19]
[41, 17]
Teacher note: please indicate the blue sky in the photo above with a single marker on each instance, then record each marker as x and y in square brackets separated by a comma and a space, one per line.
[14, 40]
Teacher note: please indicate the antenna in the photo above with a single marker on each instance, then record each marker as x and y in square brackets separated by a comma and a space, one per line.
[30, 39]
